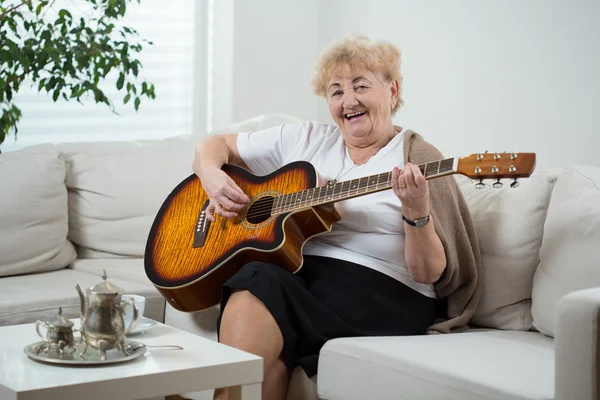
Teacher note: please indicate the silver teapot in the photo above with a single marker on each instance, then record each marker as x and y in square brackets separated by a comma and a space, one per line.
[59, 333]
[102, 325]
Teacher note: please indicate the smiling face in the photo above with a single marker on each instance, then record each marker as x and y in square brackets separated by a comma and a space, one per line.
[361, 103]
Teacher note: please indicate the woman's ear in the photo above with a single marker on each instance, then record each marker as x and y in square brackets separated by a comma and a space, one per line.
[395, 91]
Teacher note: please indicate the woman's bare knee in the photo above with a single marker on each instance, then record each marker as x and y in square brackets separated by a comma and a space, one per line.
[247, 324]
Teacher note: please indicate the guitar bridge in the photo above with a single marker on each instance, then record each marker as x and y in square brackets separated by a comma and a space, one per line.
[202, 226]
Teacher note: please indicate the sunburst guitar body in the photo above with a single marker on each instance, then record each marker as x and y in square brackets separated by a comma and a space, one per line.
[189, 258]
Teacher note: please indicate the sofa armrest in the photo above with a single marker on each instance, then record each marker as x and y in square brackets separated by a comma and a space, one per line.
[577, 341]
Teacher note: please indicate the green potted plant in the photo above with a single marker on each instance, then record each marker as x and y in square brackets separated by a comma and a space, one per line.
[67, 56]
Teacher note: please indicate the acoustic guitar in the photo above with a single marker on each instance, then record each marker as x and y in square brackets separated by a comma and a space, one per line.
[188, 258]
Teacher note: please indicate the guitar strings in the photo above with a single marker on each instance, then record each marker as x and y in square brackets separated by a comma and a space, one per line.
[267, 209]
[264, 210]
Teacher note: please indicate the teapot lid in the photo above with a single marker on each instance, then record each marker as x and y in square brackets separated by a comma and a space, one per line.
[105, 287]
[60, 320]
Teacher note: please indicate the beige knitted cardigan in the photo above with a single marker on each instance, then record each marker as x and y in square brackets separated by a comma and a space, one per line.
[460, 284]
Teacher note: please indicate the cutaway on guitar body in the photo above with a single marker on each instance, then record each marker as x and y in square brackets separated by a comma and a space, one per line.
[189, 258]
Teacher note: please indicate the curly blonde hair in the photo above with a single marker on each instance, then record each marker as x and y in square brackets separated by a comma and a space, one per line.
[358, 52]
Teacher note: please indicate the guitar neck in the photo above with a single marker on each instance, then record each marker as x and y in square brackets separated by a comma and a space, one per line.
[353, 188]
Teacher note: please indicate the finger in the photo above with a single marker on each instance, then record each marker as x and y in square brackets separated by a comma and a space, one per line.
[418, 176]
[231, 199]
[209, 212]
[408, 176]
[224, 213]
[244, 198]
[226, 203]
[234, 193]
[395, 175]
[401, 180]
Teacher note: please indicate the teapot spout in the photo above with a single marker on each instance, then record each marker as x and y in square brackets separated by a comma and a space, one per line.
[81, 299]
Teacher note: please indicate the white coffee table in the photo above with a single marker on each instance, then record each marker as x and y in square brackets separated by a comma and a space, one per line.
[202, 364]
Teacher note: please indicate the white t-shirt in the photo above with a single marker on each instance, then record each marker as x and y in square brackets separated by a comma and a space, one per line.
[371, 231]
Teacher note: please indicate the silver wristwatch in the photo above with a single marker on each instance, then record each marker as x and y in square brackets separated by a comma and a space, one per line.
[419, 222]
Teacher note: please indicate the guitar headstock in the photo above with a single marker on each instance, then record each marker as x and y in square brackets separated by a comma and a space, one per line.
[497, 166]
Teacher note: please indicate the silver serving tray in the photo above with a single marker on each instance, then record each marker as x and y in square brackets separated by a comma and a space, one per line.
[36, 352]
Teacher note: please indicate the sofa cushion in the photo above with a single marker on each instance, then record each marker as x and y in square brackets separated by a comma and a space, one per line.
[570, 252]
[116, 188]
[473, 365]
[33, 212]
[509, 224]
[28, 298]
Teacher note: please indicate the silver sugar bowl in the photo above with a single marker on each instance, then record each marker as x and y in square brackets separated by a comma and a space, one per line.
[59, 333]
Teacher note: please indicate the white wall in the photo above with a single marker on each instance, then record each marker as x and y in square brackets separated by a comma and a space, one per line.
[493, 75]
[274, 48]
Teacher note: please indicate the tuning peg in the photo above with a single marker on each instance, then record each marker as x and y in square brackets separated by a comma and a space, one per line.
[480, 185]
[515, 184]
[498, 184]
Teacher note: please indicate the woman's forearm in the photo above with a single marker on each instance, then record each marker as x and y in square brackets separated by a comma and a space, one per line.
[424, 252]
[210, 152]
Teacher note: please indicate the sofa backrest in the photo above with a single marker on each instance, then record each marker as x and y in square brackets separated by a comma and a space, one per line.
[33, 212]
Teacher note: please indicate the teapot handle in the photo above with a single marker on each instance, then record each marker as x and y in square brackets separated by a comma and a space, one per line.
[79, 339]
[37, 328]
[136, 316]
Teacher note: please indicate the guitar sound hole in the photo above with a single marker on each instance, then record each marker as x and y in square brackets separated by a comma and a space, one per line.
[260, 210]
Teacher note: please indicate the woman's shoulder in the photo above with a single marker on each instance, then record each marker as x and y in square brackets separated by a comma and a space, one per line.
[311, 130]
[418, 150]
[314, 127]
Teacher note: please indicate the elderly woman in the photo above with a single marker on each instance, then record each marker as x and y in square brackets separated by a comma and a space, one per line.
[388, 265]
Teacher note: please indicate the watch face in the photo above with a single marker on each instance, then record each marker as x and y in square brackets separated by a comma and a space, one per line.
[421, 221]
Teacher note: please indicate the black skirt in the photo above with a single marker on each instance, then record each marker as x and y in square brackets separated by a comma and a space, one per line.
[330, 298]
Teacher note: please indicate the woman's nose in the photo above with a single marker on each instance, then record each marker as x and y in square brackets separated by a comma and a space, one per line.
[349, 100]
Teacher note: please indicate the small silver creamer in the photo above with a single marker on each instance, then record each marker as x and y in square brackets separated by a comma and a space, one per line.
[102, 325]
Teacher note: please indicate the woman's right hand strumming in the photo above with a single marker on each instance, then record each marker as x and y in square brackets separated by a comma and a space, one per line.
[226, 197]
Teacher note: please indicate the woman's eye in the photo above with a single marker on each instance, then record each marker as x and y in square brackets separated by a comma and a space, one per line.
[362, 87]
[337, 93]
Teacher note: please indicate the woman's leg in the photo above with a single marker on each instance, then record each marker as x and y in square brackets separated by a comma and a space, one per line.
[248, 325]
[276, 383]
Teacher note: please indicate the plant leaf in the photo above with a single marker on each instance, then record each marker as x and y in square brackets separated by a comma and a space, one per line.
[120, 81]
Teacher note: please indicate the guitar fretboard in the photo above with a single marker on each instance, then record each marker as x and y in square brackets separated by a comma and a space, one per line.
[353, 188]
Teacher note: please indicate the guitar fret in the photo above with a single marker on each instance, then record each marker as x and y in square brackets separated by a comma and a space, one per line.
[328, 192]
[336, 191]
[322, 193]
[431, 168]
[423, 169]
[346, 188]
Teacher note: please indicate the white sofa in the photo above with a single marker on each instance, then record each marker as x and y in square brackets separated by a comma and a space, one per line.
[69, 211]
